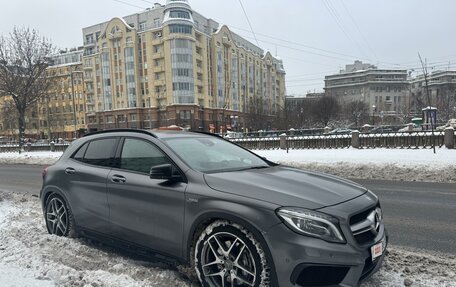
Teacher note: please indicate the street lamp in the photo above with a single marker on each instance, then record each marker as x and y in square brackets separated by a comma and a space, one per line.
[374, 108]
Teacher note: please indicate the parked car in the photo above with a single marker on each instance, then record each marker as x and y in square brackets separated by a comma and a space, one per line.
[450, 123]
[340, 131]
[237, 218]
[42, 142]
[379, 130]
[411, 127]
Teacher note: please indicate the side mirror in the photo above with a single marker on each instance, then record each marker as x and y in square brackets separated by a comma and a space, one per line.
[165, 172]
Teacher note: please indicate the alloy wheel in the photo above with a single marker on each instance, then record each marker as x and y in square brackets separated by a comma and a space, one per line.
[227, 261]
[57, 217]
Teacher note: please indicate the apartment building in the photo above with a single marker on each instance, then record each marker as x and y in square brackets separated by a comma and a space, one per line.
[61, 112]
[385, 91]
[442, 94]
[169, 65]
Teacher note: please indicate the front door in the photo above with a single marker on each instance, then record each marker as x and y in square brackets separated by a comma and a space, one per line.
[145, 211]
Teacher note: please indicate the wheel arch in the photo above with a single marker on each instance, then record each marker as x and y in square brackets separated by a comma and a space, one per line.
[47, 192]
[208, 218]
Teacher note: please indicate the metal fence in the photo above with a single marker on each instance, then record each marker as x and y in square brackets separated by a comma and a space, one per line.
[408, 140]
[33, 148]
[403, 140]
[264, 143]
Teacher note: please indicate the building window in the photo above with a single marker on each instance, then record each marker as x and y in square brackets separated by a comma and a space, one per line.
[142, 26]
[181, 72]
[181, 29]
[157, 22]
[184, 115]
[181, 86]
[179, 14]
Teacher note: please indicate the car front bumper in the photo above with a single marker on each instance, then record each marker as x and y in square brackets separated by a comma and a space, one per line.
[305, 261]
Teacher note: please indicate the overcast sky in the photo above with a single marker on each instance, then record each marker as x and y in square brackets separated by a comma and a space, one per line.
[313, 37]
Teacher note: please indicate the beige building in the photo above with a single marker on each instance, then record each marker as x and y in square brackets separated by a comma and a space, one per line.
[170, 65]
[385, 91]
[62, 112]
[59, 114]
[442, 94]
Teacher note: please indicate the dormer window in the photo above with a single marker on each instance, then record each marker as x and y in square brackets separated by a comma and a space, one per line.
[115, 29]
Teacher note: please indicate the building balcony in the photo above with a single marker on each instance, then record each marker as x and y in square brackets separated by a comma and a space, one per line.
[160, 82]
[90, 44]
[115, 35]
[159, 69]
[88, 67]
[158, 55]
[88, 79]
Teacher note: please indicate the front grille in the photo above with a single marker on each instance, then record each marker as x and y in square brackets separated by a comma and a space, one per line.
[365, 225]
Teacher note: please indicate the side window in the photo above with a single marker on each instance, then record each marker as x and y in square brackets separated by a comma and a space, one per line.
[138, 155]
[100, 152]
[79, 155]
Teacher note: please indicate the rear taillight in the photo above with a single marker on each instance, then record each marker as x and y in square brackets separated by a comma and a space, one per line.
[45, 171]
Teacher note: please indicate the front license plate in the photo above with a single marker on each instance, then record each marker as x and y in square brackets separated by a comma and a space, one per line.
[377, 250]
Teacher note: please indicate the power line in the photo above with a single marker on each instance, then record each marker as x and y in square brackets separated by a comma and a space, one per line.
[248, 21]
[149, 2]
[333, 12]
[300, 44]
[359, 30]
[301, 50]
[129, 4]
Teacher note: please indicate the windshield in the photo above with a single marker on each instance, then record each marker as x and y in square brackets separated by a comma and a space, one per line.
[210, 155]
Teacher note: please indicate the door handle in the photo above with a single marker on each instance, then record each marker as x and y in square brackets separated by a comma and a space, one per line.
[70, 170]
[118, 179]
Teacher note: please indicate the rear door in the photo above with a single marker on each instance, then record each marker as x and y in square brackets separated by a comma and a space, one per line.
[145, 211]
[87, 172]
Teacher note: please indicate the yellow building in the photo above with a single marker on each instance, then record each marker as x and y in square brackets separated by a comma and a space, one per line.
[62, 112]
[170, 65]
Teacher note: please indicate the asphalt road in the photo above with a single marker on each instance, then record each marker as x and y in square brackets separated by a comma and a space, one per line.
[417, 215]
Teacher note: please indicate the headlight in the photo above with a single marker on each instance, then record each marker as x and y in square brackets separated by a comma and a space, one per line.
[312, 223]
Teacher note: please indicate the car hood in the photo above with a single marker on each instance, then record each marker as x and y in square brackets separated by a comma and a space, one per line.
[286, 186]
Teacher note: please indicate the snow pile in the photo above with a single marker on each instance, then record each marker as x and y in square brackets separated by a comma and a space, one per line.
[35, 157]
[26, 246]
[31, 257]
[391, 164]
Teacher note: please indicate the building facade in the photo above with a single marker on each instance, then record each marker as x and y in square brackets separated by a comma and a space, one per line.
[386, 92]
[442, 94]
[169, 65]
[61, 112]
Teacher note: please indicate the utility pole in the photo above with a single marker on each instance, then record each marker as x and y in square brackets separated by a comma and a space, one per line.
[425, 72]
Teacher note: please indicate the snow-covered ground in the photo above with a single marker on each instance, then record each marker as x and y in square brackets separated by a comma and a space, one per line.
[35, 157]
[31, 257]
[391, 164]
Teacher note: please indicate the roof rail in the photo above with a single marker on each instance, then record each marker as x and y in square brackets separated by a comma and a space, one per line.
[122, 130]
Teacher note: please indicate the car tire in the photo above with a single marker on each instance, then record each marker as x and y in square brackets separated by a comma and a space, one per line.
[58, 216]
[227, 251]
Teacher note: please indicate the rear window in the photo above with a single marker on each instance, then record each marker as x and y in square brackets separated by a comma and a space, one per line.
[97, 152]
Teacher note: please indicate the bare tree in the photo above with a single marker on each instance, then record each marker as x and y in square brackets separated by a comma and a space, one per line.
[24, 58]
[357, 111]
[326, 109]
[8, 116]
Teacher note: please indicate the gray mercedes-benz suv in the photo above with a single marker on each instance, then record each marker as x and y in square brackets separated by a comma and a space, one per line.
[236, 218]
